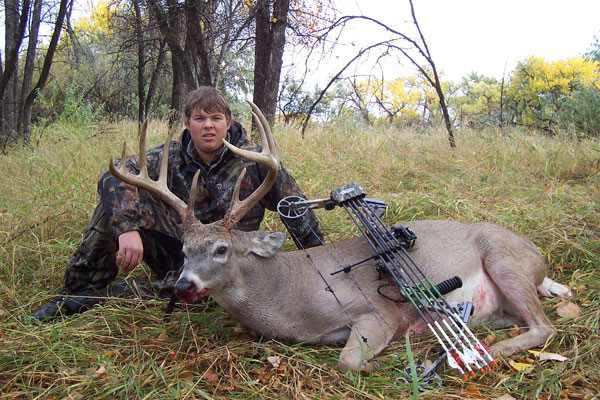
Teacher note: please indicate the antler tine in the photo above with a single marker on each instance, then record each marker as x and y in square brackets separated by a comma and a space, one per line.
[190, 218]
[270, 152]
[143, 181]
[142, 150]
[269, 157]
[266, 140]
[164, 161]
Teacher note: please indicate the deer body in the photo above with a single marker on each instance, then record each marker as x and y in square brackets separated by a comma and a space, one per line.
[281, 295]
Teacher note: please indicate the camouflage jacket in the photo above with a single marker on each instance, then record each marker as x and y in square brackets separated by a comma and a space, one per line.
[129, 208]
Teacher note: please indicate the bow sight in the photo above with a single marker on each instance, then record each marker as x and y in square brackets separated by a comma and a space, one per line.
[447, 321]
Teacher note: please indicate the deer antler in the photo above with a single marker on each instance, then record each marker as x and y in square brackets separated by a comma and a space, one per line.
[269, 157]
[158, 187]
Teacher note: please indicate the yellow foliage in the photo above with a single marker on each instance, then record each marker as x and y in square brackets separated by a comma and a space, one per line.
[404, 97]
[309, 17]
[98, 21]
[478, 97]
[247, 5]
[537, 86]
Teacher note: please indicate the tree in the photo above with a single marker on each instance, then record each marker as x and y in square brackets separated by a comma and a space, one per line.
[581, 108]
[293, 101]
[45, 71]
[138, 32]
[116, 59]
[478, 104]
[34, 27]
[593, 53]
[15, 26]
[580, 112]
[417, 53]
[398, 97]
[361, 97]
[22, 102]
[271, 22]
[538, 89]
[199, 34]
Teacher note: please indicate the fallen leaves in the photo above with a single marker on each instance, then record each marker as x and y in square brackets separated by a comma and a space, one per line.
[577, 387]
[186, 375]
[196, 367]
[505, 397]
[526, 365]
[163, 336]
[545, 356]
[520, 366]
[275, 361]
[274, 367]
[472, 392]
[74, 395]
[100, 371]
[585, 394]
[514, 331]
[568, 310]
[490, 340]
[210, 376]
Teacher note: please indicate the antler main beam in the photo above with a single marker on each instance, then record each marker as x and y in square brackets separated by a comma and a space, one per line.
[143, 181]
[270, 156]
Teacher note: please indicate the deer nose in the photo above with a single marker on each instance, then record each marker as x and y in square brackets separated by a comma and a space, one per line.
[185, 289]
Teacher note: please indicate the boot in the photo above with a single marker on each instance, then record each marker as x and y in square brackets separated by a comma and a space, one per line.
[69, 304]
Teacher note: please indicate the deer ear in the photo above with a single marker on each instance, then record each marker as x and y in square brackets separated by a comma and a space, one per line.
[266, 244]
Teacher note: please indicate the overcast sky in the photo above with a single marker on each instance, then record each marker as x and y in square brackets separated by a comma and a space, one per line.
[484, 36]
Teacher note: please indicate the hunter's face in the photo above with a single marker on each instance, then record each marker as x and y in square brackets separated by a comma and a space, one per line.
[208, 130]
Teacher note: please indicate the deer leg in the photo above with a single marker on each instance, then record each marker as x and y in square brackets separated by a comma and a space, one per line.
[368, 337]
[521, 302]
[502, 319]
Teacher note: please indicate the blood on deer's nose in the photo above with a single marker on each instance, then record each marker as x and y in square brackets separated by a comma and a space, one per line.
[185, 290]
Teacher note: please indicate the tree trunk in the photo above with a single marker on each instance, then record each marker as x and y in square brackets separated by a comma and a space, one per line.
[443, 106]
[45, 72]
[10, 38]
[447, 121]
[141, 60]
[269, 46]
[182, 82]
[15, 33]
[71, 32]
[197, 17]
[34, 27]
[3, 138]
[169, 24]
[155, 75]
[502, 102]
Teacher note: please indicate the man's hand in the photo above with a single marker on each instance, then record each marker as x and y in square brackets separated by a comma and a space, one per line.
[131, 251]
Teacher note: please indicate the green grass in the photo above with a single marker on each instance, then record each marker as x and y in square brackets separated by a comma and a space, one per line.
[546, 188]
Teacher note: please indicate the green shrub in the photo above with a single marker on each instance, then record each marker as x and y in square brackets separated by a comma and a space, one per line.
[581, 112]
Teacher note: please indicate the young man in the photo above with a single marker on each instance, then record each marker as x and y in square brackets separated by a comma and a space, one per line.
[130, 225]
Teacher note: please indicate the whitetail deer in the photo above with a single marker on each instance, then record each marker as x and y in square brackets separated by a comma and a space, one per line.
[280, 295]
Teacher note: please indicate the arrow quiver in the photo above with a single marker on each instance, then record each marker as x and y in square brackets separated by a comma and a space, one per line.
[447, 322]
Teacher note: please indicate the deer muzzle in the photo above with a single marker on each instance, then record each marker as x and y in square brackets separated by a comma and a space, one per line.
[187, 291]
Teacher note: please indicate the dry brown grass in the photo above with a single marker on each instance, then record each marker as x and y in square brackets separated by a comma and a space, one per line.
[546, 188]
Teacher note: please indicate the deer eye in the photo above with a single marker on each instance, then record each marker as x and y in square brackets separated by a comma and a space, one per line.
[221, 250]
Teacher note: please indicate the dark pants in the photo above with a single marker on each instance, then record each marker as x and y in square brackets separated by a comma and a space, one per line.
[93, 266]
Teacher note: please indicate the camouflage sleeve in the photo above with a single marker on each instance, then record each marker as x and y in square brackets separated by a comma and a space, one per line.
[304, 231]
[121, 201]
